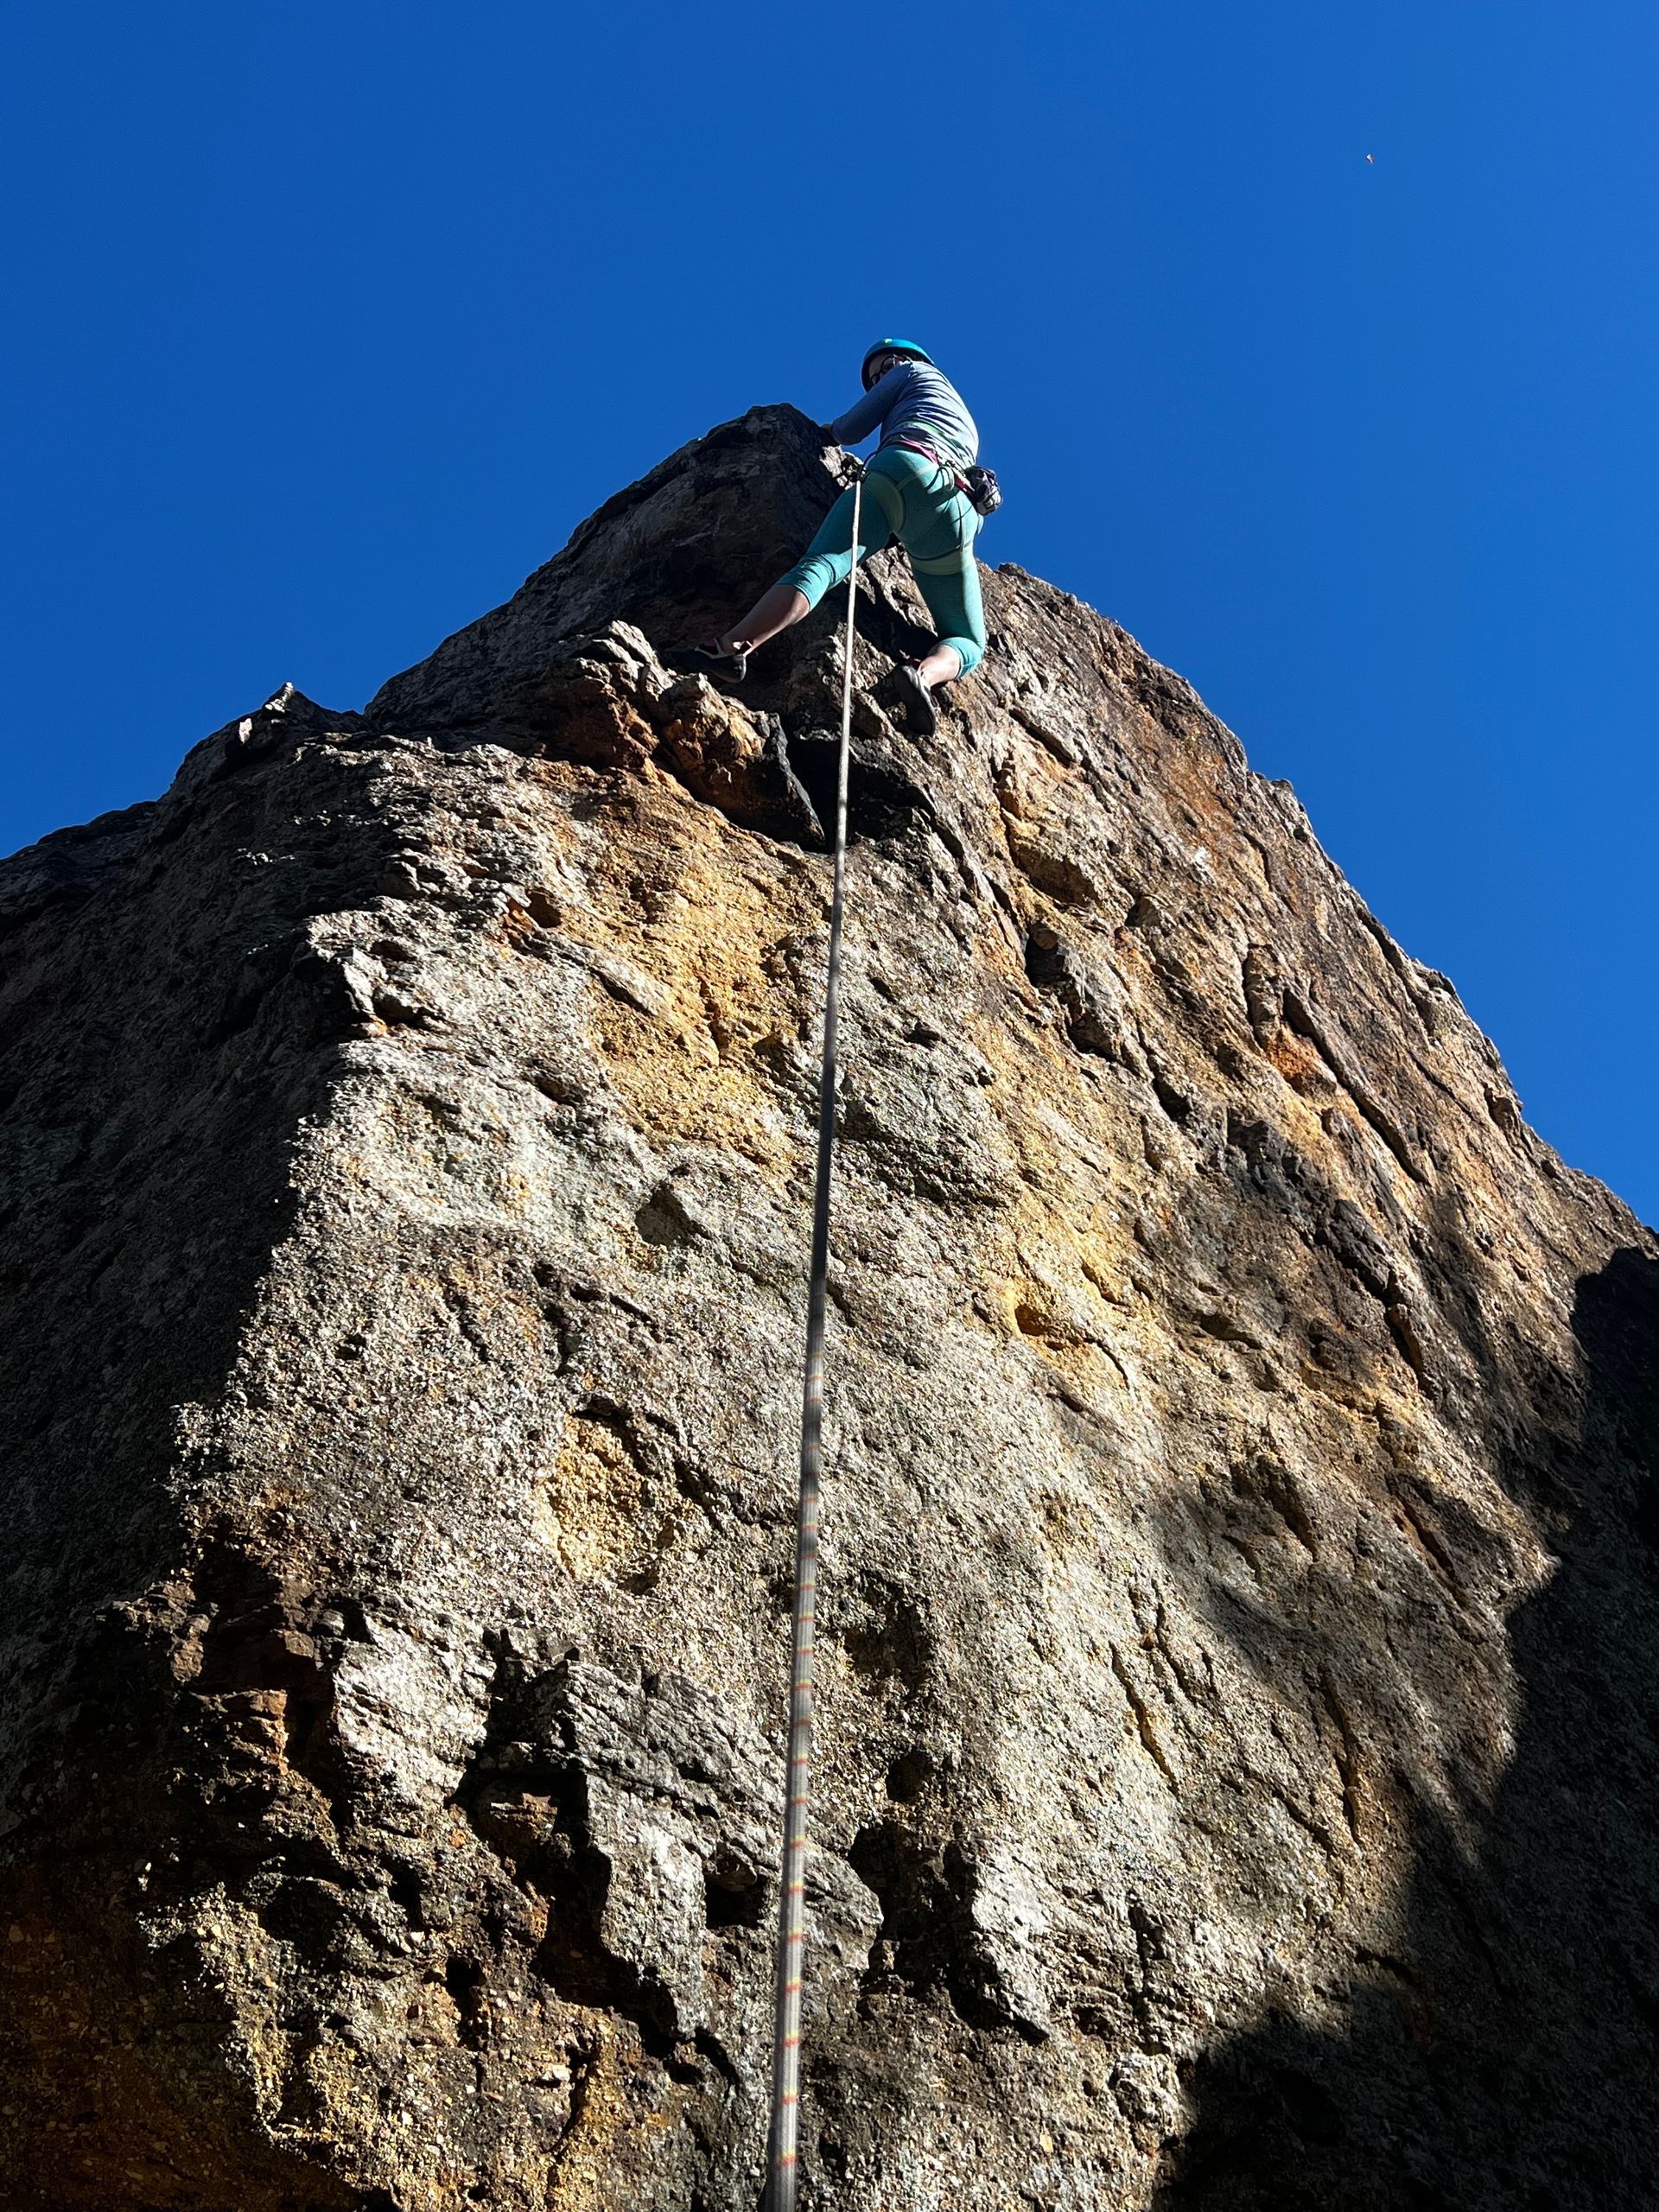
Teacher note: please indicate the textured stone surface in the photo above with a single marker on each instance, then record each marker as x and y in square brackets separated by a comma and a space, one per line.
[1237, 1782]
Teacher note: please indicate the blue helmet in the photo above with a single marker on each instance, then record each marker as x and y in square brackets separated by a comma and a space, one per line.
[893, 346]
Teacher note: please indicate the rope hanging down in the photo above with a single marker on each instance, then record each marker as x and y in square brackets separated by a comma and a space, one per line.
[782, 2148]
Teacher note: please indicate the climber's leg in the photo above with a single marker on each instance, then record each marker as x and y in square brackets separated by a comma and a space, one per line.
[938, 529]
[950, 587]
[942, 666]
[953, 600]
[777, 608]
[827, 560]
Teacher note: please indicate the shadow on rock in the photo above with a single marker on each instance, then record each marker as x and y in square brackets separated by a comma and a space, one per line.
[1511, 2058]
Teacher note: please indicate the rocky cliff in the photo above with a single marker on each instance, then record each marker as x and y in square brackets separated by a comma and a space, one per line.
[1237, 1776]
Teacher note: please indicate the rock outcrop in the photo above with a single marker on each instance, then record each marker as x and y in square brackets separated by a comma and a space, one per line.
[1237, 1781]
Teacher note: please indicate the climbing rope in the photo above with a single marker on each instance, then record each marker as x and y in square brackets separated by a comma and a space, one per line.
[783, 2161]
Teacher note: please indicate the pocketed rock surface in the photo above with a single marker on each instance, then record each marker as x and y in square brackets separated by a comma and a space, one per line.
[1237, 1780]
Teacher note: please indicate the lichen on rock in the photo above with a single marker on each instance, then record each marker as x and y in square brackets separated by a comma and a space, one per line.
[1235, 1767]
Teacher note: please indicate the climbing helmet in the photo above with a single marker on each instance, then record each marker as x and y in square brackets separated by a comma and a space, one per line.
[892, 345]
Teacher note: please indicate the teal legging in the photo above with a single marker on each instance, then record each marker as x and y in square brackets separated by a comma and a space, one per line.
[908, 497]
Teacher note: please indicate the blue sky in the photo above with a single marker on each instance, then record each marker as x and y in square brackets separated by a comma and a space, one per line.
[328, 323]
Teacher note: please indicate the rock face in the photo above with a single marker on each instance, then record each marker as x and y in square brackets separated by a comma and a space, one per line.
[1236, 1766]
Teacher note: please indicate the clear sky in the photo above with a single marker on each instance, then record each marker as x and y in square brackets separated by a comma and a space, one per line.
[328, 323]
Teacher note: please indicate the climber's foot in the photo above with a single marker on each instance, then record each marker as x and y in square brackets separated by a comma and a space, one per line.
[920, 710]
[710, 659]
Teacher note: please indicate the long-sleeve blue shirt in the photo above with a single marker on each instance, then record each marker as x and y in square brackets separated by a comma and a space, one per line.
[913, 401]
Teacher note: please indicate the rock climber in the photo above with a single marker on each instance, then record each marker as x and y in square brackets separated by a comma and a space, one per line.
[913, 492]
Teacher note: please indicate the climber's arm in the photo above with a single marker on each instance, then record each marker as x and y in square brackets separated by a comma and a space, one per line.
[863, 415]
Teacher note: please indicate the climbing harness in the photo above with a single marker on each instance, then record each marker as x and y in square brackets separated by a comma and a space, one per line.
[782, 2145]
[984, 493]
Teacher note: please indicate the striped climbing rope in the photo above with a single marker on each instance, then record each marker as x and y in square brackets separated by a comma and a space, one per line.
[783, 2145]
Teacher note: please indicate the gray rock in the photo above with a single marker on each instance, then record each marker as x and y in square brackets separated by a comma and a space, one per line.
[1237, 1780]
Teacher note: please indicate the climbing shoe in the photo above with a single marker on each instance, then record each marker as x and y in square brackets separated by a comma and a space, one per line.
[707, 659]
[919, 709]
